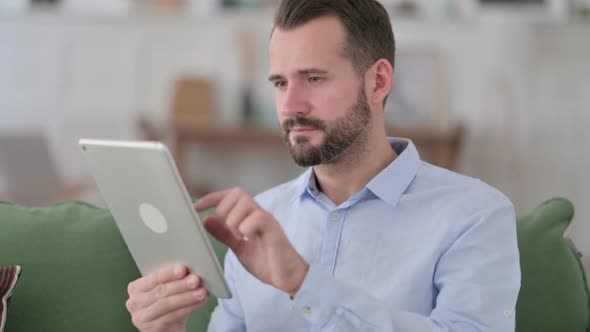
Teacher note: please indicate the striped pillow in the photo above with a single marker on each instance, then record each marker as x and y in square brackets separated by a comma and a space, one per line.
[8, 277]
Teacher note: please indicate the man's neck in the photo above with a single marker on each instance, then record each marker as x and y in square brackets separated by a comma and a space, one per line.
[342, 179]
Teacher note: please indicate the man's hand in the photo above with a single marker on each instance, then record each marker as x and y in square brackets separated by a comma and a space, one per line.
[256, 238]
[163, 300]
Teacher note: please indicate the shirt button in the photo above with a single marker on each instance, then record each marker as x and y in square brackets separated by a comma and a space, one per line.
[306, 311]
[336, 216]
[507, 313]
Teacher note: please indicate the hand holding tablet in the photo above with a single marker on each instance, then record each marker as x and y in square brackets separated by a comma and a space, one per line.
[142, 187]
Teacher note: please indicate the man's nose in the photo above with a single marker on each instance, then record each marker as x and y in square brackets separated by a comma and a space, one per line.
[295, 102]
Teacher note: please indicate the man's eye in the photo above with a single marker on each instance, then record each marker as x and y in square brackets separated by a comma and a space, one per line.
[314, 79]
[280, 84]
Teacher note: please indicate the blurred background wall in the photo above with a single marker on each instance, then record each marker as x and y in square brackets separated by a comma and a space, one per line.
[515, 76]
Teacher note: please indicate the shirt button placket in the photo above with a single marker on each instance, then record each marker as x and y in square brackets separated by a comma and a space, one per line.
[330, 239]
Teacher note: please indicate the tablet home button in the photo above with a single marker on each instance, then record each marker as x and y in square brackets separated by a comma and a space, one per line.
[153, 218]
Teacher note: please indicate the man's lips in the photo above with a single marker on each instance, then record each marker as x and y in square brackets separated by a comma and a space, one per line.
[302, 130]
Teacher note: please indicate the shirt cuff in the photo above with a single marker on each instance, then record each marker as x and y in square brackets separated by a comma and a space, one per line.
[310, 300]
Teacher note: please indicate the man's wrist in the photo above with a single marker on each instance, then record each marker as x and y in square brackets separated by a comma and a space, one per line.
[300, 277]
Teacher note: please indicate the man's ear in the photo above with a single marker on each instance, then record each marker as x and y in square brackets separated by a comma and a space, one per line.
[382, 81]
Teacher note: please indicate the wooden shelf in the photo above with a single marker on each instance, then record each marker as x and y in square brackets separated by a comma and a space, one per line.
[436, 145]
[227, 135]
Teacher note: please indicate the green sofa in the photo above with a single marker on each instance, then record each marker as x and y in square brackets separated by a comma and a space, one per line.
[75, 270]
[76, 267]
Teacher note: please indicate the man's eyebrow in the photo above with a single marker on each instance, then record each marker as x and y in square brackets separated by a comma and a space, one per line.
[275, 77]
[306, 71]
[311, 71]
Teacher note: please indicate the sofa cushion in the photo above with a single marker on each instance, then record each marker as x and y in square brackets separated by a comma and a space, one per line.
[554, 293]
[77, 268]
[8, 277]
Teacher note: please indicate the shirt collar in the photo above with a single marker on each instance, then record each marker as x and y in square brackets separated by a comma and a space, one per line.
[393, 180]
[306, 183]
[389, 184]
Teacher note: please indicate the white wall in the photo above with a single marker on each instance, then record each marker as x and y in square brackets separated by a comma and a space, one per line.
[520, 87]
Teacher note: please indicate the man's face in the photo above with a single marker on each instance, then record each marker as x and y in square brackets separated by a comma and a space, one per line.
[320, 99]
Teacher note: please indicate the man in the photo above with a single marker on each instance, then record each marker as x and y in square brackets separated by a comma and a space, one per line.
[370, 238]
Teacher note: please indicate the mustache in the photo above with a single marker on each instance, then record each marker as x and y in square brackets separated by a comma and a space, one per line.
[303, 122]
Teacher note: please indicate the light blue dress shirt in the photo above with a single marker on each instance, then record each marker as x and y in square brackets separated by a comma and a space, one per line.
[420, 248]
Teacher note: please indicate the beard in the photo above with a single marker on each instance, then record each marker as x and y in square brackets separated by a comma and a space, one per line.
[340, 137]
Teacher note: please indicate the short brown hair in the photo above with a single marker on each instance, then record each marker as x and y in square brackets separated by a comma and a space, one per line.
[368, 29]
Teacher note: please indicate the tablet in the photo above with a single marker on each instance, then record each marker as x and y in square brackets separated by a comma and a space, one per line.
[142, 187]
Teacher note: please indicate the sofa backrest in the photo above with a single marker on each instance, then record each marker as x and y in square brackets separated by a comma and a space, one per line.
[554, 292]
